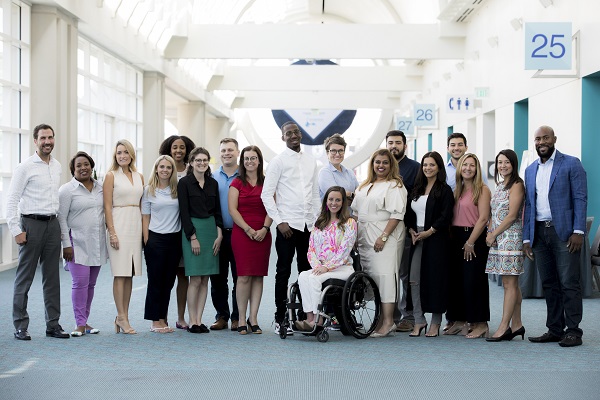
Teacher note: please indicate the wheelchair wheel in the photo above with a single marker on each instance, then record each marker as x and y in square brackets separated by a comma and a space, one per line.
[323, 336]
[282, 331]
[361, 305]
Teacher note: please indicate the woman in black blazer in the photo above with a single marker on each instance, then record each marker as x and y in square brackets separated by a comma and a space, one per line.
[428, 219]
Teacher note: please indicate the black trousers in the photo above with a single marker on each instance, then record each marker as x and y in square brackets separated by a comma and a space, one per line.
[219, 288]
[286, 248]
[162, 252]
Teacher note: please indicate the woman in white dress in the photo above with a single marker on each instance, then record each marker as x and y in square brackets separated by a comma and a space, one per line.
[380, 204]
[123, 188]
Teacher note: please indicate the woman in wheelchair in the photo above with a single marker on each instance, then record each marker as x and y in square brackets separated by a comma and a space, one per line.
[329, 249]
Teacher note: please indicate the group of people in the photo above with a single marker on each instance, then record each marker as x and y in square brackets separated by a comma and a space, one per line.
[428, 234]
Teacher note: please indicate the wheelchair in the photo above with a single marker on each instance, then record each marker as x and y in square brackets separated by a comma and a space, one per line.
[354, 302]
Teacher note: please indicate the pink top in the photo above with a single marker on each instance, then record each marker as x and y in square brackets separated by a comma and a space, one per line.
[465, 212]
[331, 246]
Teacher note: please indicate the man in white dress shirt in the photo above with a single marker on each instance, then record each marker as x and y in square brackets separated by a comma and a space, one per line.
[291, 197]
[31, 213]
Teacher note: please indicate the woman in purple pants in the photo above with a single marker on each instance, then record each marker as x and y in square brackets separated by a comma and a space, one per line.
[83, 235]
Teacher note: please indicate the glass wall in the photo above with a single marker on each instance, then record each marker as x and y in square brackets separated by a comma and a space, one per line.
[14, 89]
[109, 95]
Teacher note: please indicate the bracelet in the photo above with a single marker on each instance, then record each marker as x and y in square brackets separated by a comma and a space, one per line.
[268, 228]
[112, 236]
[433, 230]
[247, 229]
[469, 244]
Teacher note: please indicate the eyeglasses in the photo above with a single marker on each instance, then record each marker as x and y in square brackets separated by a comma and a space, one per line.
[295, 132]
[250, 159]
[201, 160]
[340, 151]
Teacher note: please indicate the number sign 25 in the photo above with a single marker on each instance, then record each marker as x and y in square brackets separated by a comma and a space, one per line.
[548, 45]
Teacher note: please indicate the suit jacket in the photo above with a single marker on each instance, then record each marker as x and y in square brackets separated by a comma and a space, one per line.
[567, 197]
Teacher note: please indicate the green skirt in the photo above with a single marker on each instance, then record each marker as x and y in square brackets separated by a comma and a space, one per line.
[204, 263]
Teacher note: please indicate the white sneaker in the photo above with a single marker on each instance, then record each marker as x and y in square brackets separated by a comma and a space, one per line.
[290, 332]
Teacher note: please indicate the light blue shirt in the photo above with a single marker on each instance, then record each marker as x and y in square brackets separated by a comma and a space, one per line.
[329, 176]
[451, 175]
[224, 182]
[163, 211]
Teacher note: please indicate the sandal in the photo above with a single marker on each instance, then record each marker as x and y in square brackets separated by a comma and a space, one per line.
[242, 330]
[255, 328]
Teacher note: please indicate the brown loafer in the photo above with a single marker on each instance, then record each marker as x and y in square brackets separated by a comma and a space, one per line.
[234, 324]
[405, 325]
[219, 324]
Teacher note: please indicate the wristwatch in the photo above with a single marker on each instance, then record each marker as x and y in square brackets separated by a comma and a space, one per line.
[384, 237]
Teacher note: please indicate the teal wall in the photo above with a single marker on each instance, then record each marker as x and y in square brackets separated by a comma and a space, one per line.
[429, 142]
[450, 132]
[590, 143]
[521, 125]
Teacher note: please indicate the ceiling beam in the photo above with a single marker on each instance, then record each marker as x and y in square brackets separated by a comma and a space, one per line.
[317, 100]
[316, 41]
[313, 77]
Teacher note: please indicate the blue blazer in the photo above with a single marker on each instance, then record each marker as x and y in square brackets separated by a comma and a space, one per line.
[567, 197]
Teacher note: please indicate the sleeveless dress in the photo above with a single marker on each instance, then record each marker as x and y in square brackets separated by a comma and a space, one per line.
[506, 255]
[251, 257]
[127, 219]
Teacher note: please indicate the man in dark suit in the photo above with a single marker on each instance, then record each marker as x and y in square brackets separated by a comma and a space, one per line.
[553, 232]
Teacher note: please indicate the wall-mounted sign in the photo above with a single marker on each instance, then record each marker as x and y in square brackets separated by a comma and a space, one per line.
[406, 125]
[459, 103]
[424, 115]
[548, 45]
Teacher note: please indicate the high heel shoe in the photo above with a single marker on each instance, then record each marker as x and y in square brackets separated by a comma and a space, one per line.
[484, 333]
[255, 328]
[518, 332]
[457, 328]
[119, 328]
[507, 335]
[420, 328]
[390, 332]
[432, 329]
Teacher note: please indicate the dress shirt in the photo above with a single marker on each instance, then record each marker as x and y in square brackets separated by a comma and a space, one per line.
[33, 190]
[224, 182]
[329, 176]
[542, 189]
[81, 213]
[163, 210]
[197, 202]
[451, 175]
[292, 178]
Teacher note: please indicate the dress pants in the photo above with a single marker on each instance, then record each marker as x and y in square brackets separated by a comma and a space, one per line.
[404, 308]
[219, 288]
[561, 280]
[286, 248]
[43, 246]
[162, 252]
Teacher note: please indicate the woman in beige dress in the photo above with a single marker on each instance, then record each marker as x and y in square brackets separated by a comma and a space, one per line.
[123, 188]
[380, 204]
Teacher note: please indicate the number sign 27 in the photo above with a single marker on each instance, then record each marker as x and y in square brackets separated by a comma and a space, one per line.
[548, 45]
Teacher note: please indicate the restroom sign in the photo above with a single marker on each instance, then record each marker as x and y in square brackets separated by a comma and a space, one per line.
[460, 103]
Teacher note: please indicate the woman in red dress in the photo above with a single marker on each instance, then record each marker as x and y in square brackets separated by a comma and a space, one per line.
[251, 236]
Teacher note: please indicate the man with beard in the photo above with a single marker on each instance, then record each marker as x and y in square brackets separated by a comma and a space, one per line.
[457, 147]
[553, 230]
[291, 197]
[31, 213]
[396, 144]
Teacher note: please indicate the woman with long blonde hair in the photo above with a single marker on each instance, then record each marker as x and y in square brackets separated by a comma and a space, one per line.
[379, 206]
[123, 188]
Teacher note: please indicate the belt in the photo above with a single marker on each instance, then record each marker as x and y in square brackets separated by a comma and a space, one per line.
[463, 228]
[545, 224]
[228, 229]
[39, 217]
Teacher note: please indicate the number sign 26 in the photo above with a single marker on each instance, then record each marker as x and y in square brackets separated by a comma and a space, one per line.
[425, 114]
[548, 45]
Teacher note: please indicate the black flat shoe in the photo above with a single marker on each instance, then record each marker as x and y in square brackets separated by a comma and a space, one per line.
[57, 332]
[570, 340]
[242, 330]
[22, 334]
[198, 329]
[545, 338]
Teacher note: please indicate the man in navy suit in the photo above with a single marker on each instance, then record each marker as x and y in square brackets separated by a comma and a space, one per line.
[553, 231]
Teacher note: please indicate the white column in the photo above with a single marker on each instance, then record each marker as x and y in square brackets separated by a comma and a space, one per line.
[54, 79]
[191, 120]
[154, 119]
[216, 129]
